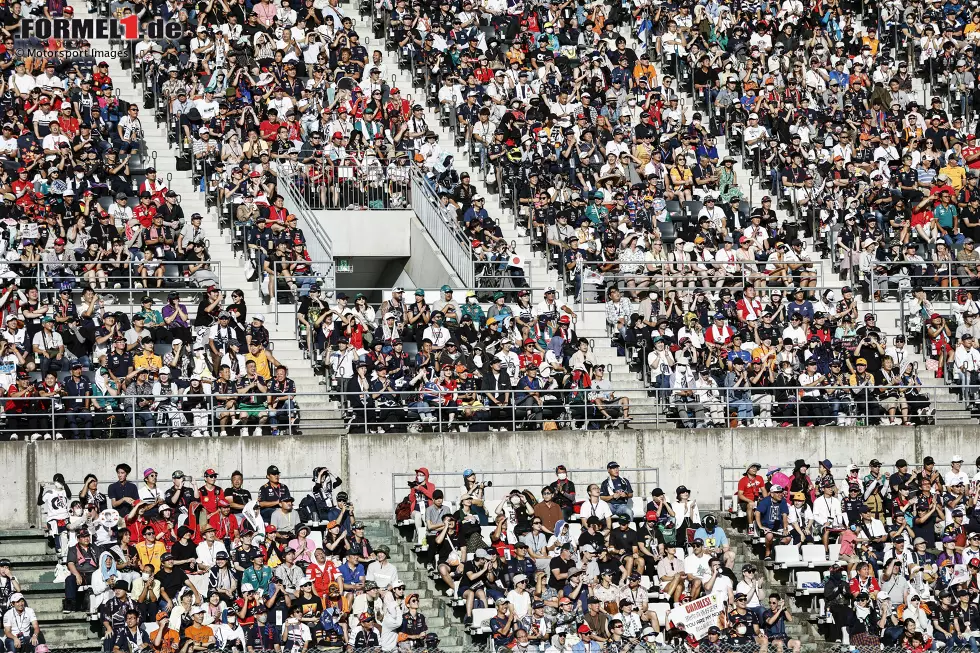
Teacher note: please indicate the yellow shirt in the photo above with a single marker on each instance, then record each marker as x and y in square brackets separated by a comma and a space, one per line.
[150, 555]
[956, 174]
[151, 361]
[262, 366]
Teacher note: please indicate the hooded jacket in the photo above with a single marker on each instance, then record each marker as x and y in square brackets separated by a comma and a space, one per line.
[317, 504]
[426, 489]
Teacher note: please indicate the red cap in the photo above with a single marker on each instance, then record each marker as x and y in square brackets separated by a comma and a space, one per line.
[338, 135]
[564, 319]
[210, 472]
[652, 515]
[584, 629]
[270, 529]
[104, 63]
[21, 170]
[395, 90]
[342, 110]
[223, 503]
[59, 241]
[528, 341]
[255, 173]
[45, 100]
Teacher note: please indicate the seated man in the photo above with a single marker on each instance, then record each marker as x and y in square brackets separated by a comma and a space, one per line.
[772, 518]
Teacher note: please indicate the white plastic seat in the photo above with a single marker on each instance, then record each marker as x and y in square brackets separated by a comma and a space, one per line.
[661, 610]
[834, 553]
[787, 556]
[804, 577]
[815, 556]
[482, 617]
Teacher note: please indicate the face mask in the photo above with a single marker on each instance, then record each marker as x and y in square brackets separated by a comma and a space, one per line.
[516, 501]
[146, 576]
[420, 478]
[262, 618]
[77, 512]
[562, 476]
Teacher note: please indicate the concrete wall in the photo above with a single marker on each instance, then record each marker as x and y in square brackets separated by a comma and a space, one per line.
[383, 234]
[427, 267]
[367, 463]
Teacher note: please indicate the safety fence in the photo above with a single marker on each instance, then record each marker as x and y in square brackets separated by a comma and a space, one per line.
[123, 278]
[730, 476]
[494, 487]
[92, 405]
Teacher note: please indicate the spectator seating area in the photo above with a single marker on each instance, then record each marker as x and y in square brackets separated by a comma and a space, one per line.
[213, 560]
[603, 566]
[876, 555]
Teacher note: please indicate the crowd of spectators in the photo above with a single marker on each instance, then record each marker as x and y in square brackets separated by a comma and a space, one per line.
[76, 368]
[596, 571]
[89, 224]
[192, 564]
[902, 546]
[412, 364]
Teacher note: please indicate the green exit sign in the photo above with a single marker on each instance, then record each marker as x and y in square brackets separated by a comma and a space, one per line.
[344, 265]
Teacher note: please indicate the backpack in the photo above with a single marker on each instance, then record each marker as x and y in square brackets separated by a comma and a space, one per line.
[403, 511]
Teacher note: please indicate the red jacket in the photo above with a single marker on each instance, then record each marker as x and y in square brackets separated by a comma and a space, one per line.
[425, 488]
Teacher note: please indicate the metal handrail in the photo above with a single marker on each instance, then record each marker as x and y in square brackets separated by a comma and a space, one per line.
[447, 234]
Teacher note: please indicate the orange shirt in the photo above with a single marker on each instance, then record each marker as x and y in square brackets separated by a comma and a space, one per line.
[199, 634]
[640, 70]
[168, 642]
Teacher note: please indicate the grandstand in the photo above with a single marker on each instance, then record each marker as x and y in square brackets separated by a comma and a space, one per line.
[620, 311]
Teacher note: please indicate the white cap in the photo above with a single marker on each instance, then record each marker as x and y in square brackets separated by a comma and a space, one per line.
[164, 370]
[753, 116]
[957, 459]
[198, 610]
[16, 596]
[518, 578]
[260, 317]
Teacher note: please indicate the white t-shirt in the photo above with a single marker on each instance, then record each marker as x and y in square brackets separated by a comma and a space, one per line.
[952, 478]
[721, 588]
[751, 593]
[700, 567]
[521, 603]
[600, 510]
[19, 623]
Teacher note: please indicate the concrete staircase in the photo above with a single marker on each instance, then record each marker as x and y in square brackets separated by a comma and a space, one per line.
[778, 581]
[433, 604]
[318, 416]
[32, 561]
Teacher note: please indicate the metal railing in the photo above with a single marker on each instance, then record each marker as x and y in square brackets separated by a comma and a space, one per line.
[130, 277]
[443, 228]
[374, 184]
[319, 245]
[730, 476]
[497, 485]
[108, 412]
